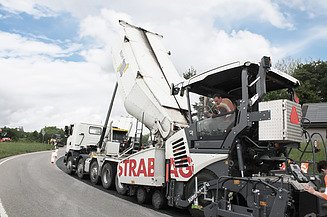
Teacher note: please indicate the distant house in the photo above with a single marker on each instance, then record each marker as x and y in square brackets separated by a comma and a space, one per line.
[315, 119]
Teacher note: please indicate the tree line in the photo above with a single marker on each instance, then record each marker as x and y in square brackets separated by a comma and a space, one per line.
[44, 135]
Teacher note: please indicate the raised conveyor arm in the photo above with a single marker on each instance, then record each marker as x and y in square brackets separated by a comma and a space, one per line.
[145, 73]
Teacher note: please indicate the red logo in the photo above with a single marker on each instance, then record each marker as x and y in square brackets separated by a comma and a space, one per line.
[132, 167]
[185, 172]
[294, 116]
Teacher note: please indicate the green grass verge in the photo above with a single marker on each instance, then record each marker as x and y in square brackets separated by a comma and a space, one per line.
[13, 148]
[308, 157]
[320, 155]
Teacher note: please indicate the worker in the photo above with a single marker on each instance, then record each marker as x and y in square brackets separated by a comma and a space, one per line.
[321, 167]
[223, 105]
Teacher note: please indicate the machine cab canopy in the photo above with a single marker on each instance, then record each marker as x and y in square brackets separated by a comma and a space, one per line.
[227, 80]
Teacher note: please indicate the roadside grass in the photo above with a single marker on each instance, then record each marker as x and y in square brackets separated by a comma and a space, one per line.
[13, 148]
[308, 157]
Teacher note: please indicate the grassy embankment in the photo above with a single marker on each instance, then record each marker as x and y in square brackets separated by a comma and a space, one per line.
[13, 148]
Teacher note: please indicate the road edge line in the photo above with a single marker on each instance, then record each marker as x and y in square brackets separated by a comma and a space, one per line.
[19, 155]
[2, 210]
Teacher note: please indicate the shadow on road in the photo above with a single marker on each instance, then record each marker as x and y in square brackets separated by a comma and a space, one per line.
[169, 210]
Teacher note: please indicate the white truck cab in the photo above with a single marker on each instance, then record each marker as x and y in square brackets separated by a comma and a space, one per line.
[83, 139]
[82, 135]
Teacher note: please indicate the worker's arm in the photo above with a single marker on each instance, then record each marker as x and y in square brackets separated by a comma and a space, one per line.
[311, 190]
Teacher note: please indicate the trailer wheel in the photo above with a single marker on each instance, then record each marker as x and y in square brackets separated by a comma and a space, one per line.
[120, 188]
[142, 195]
[94, 176]
[158, 200]
[80, 168]
[107, 175]
[69, 165]
[203, 176]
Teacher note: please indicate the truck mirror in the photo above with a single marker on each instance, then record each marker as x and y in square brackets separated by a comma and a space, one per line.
[66, 130]
[182, 92]
[174, 90]
[71, 129]
[266, 62]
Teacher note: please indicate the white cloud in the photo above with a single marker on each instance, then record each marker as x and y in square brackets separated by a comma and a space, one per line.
[36, 94]
[190, 41]
[256, 10]
[27, 6]
[314, 34]
[205, 47]
[160, 11]
[104, 30]
[99, 56]
[14, 45]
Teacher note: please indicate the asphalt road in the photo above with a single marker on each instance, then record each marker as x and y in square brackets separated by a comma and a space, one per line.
[31, 186]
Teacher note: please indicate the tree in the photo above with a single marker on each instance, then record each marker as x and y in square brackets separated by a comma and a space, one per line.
[189, 73]
[312, 76]
[51, 131]
[145, 138]
[288, 66]
[34, 136]
[313, 79]
[14, 133]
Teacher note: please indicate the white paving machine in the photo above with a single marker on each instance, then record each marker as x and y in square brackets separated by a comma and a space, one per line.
[224, 165]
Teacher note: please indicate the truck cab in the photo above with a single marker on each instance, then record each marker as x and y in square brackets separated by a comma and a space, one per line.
[83, 139]
[82, 136]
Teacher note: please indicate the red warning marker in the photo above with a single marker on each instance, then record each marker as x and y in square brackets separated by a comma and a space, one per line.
[296, 98]
[294, 116]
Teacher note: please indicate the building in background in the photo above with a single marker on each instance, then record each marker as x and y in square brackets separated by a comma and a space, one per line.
[315, 115]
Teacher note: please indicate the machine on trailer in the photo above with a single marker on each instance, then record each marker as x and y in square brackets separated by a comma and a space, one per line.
[218, 165]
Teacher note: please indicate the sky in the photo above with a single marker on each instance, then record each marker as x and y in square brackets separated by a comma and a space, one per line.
[55, 56]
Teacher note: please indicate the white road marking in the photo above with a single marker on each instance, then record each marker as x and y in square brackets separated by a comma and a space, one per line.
[2, 211]
[13, 157]
[7, 160]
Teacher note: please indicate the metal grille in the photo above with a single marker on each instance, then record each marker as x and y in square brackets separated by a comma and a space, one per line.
[179, 152]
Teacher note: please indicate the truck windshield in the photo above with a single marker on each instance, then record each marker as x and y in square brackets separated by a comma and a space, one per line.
[118, 135]
[95, 130]
[217, 127]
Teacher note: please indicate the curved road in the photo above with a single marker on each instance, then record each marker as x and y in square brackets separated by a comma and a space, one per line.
[31, 186]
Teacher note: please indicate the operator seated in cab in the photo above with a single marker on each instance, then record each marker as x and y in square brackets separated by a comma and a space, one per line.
[222, 106]
[219, 118]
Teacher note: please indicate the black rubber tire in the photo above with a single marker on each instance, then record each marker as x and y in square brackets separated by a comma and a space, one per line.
[142, 195]
[107, 176]
[120, 188]
[69, 166]
[80, 168]
[203, 176]
[159, 200]
[94, 173]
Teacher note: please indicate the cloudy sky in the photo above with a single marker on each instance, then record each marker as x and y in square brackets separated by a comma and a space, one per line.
[55, 60]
